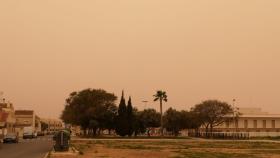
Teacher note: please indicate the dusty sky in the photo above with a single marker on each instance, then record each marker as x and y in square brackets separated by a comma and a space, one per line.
[193, 49]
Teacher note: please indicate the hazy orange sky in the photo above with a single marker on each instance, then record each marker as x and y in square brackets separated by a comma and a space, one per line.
[193, 49]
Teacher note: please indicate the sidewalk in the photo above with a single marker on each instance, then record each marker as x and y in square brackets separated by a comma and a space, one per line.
[72, 153]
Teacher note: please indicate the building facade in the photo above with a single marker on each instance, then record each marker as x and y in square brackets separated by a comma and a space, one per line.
[53, 125]
[27, 118]
[7, 118]
[255, 122]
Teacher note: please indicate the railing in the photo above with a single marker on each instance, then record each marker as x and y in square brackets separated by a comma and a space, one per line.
[221, 135]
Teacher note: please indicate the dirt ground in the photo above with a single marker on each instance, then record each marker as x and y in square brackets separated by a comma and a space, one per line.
[174, 149]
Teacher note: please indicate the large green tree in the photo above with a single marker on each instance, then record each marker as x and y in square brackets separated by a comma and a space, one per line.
[161, 97]
[89, 108]
[138, 125]
[145, 120]
[150, 119]
[110, 118]
[130, 118]
[212, 113]
[175, 121]
[44, 126]
[121, 120]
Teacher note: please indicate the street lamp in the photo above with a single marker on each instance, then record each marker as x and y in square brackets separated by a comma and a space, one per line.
[234, 116]
[145, 102]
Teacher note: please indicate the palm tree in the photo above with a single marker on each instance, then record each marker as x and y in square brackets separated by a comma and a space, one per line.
[161, 96]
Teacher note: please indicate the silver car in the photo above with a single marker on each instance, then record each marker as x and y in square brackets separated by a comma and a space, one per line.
[10, 138]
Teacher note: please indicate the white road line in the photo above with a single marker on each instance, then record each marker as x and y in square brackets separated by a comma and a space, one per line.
[46, 155]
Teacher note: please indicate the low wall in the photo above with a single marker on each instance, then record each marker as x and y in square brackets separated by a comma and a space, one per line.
[264, 134]
[234, 135]
[221, 135]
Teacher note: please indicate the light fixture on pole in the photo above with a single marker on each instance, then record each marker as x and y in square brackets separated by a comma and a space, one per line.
[145, 102]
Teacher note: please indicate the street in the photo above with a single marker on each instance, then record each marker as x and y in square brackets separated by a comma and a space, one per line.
[29, 148]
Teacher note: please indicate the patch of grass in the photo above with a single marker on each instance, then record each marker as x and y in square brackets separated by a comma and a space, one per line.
[232, 145]
[138, 137]
[202, 154]
[265, 138]
[275, 152]
[81, 152]
[189, 149]
[98, 142]
[81, 147]
[133, 146]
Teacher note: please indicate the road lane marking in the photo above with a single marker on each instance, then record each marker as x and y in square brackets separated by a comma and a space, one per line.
[46, 155]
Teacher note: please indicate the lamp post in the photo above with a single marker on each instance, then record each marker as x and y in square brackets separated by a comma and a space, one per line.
[234, 116]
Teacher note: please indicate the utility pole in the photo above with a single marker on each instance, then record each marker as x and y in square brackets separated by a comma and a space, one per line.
[1, 96]
[233, 103]
[234, 116]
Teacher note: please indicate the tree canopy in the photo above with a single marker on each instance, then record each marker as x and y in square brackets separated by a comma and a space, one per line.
[161, 96]
[212, 113]
[175, 121]
[150, 118]
[92, 109]
[121, 119]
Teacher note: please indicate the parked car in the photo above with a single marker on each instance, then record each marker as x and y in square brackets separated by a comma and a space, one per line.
[40, 134]
[1, 138]
[29, 133]
[10, 138]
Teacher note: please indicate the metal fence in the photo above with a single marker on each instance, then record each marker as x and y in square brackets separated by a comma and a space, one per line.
[221, 135]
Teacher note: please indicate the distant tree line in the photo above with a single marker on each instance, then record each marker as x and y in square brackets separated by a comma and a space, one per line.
[94, 110]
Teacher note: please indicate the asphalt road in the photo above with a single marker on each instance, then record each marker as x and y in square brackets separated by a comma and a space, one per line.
[29, 148]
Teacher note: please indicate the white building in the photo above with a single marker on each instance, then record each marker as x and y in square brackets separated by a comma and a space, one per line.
[255, 122]
[27, 118]
[7, 118]
[53, 124]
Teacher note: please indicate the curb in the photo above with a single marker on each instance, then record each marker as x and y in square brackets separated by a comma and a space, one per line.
[71, 151]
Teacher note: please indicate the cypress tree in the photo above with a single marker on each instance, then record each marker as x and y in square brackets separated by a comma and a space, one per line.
[130, 118]
[121, 128]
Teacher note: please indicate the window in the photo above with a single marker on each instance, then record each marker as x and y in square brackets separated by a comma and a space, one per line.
[236, 124]
[273, 123]
[264, 123]
[245, 123]
[227, 124]
[255, 124]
